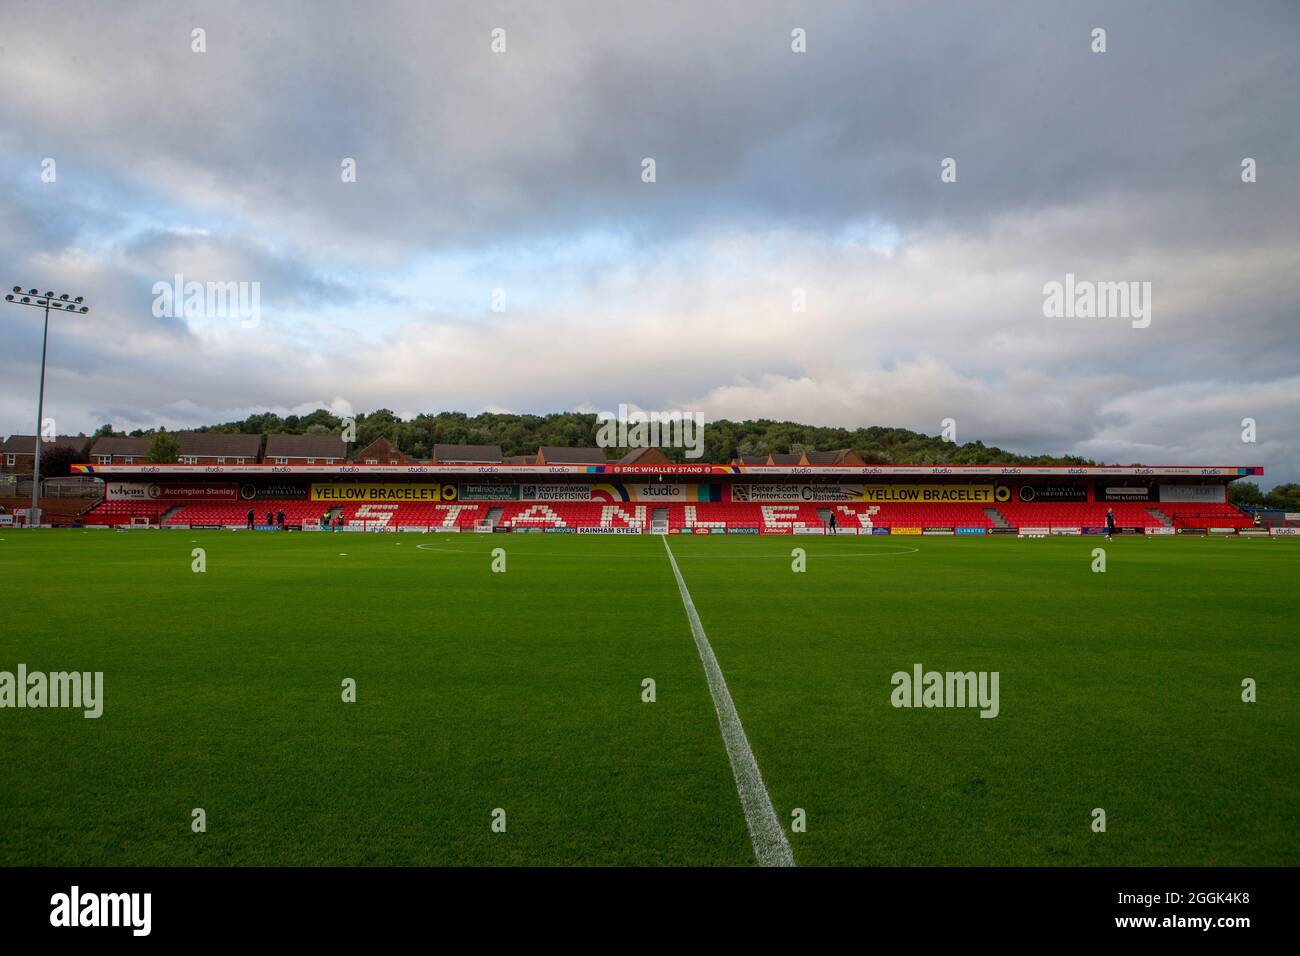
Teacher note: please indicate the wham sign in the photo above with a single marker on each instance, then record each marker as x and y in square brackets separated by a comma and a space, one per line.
[169, 491]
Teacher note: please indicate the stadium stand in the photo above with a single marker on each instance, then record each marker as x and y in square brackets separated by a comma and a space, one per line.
[381, 488]
[1206, 516]
[121, 512]
[1128, 514]
[768, 518]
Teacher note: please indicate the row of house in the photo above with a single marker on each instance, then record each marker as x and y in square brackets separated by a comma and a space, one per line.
[17, 454]
[841, 456]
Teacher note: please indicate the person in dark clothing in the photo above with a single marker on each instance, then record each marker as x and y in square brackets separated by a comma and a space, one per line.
[279, 518]
[270, 519]
[1110, 523]
[251, 519]
[832, 521]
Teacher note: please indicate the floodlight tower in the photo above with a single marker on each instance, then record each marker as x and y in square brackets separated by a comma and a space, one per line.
[47, 301]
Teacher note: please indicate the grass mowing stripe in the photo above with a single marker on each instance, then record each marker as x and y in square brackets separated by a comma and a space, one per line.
[770, 845]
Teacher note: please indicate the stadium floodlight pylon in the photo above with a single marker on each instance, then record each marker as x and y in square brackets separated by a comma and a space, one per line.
[47, 301]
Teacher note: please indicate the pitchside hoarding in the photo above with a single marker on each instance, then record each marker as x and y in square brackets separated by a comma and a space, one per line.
[1207, 494]
[394, 491]
[488, 492]
[556, 492]
[655, 491]
[927, 494]
[273, 492]
[1053, 493]
[658, 491]
[795, 493]
[1124, 493]
[876, 494]
[181, 491]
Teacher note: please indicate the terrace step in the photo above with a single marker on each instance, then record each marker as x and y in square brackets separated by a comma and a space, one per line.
[996, 517]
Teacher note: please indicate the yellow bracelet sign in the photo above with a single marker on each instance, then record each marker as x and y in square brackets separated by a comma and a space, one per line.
[927, 494]
[341, 492]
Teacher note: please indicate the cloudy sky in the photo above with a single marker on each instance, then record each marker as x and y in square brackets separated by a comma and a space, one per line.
[500, 248]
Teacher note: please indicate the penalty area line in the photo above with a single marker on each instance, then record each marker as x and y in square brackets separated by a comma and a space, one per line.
[771, 847]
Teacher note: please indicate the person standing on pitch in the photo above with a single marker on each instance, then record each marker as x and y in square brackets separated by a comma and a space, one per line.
[1110, 523]
[270, 520]
[251, 519]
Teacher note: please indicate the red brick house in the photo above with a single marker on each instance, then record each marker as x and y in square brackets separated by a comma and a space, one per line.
[305, 450]
[466, 455]
[382, 452]
[645, 456]
[18, 452]
[215, 448]
[119, 451]
[841, 456]
[559, 455]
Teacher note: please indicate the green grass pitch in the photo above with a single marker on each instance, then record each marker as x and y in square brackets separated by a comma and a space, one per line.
[522, 691]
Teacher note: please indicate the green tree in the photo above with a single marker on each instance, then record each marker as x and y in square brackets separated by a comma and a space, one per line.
[1245, 494]
[1286, 497]
[164, 449]
[57, 461]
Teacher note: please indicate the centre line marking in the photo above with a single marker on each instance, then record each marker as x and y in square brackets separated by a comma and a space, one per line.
[770, 845]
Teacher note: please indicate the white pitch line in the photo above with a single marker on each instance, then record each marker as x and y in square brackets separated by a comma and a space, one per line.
[770, 845]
